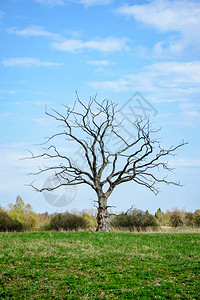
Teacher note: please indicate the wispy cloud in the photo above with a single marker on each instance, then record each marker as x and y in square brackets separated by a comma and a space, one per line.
[37, 103]
[110, 44]
[182, 17]
[34, 31]
[184, 162]
[100, 63]
[165, 81]
[95, 2]
[6, 115]
[51, 3]
[28, 62]
[10, 92]
[59, 42]
[165, 15]
[178, 73]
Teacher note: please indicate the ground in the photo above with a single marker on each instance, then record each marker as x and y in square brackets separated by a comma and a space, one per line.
[89, 265]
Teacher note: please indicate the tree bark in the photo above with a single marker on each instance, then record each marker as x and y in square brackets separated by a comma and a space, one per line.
[103, 215]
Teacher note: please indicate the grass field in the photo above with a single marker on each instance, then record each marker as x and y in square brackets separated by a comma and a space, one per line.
[89, 265]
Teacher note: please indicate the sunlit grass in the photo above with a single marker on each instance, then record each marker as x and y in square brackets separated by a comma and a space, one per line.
[89, 265]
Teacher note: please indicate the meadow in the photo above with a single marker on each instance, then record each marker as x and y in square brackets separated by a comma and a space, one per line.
[89, 265]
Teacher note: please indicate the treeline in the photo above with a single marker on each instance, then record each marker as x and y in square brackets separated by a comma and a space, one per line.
[177, 218]
[21, 217]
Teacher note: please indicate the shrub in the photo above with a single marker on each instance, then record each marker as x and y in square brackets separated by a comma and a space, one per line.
[30, 221]
[175, 219]
[67, 221]
[9, 224]
[134, 219]
[45, 227]
[197, 218]
[23, 213]
[90, 221]
[189, 219]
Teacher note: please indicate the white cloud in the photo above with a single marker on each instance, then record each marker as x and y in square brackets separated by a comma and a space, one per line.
[10, 92]
[110, 44]
[169, 48]
[13, 145]
[100, 62]
[178, 73]
[165, 15]
[190, 106]
[95, 2]
[164, 81]
[35, 31]
[120, 85]
[51, 3]
[37, 103]
[182, 17]
[185, 162]
[7, 115]
[28, 62]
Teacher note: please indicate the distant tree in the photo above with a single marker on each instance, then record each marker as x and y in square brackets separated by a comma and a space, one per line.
[134, 219]
[159, 216]
[175, 219]
[43, 218]
[166, 218]
[89, 126]
[9, 224]
[23, 213]
[67, 221]
[189, 219]
[197, 218]
[90, 221]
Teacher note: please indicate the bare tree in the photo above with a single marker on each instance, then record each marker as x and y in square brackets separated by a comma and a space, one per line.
[89, 127]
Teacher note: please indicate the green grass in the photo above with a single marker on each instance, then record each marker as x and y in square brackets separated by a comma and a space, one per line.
[89, 265]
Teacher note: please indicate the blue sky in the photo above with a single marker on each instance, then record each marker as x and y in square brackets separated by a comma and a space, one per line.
[51, 48]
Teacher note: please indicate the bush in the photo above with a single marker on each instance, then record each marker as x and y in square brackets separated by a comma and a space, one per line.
[67, 221]
[175, 219]
[91, 221]
[30, 221]
[134, 219]
[197, 218]
[189, 219]
[45, 227]
[9, 224]
[23, 213]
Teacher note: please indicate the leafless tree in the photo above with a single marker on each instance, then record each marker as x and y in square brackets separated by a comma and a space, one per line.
[89, 127]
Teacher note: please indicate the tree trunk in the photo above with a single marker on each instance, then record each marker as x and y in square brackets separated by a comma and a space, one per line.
[103, 220]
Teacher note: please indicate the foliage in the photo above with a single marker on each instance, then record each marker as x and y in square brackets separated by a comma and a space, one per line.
[43, 218]
[176, 219]
[45, 227]
[9, 224]
[189, 219]
[91, 222]
[23, 213]
[89, 265]
[67, 221]
[197, 218]
[30, 221]
[134, 219]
